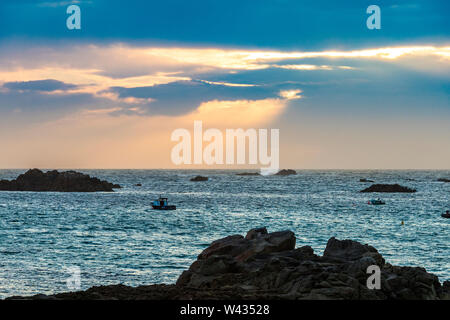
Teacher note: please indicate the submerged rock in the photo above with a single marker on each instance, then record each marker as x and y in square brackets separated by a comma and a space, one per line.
[388, 188]
[67, 181]
[265, 265]
[285, 172]
[199, 178]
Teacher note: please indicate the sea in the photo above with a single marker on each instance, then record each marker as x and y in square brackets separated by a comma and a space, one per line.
[116, 237]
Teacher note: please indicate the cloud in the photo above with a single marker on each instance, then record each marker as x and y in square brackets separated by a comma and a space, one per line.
[290, 94]
[47, 85]
[303, 67]
[150, 81]
[185, 96]
[37, 105]
[103, 106]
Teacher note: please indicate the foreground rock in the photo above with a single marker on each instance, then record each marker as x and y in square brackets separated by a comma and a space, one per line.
[285, 172]
[388, 188]
[265, 265]
[68, 181]
[199, 178]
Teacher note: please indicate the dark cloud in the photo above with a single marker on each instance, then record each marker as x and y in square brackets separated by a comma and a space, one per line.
[47, 85]
[275, 76]
[36, 106]
[182, 97]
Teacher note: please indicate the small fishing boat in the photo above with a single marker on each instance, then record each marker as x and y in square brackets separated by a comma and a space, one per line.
[162, 204]
[376, 202]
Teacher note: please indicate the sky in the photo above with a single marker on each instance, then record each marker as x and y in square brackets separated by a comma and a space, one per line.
[110, 94]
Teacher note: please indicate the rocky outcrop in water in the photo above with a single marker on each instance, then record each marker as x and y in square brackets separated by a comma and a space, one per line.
[443, 180]
[388, 188]
[285, 172]
[199, 178]
[265, 265]
[67, 181]
[248, 174]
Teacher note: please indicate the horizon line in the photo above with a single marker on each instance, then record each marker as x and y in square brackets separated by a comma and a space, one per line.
[235, 169]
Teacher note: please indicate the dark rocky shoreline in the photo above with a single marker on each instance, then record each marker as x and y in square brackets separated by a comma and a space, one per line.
[265, 266]
[67, 181]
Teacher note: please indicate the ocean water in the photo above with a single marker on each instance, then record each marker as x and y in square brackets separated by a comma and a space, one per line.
[117, 238]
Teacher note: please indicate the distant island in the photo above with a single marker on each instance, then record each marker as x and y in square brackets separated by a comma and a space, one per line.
[199, 178]
[67, 181]
[248, 174]
[286, 172]
[265, 265]
[388, 188]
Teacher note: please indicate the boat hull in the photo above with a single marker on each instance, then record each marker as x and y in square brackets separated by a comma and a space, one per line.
[445, 215]
[376, 203]
[164, 207]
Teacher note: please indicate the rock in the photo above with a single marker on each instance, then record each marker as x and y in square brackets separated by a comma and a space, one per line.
[446, 290]
[349, 250]
[199, 178]
[388, 188]
[443, 180]
[267, 263]
[268, 243]
[67, 181]
[248, 174]
[254, 233]
[264, 265]
[285, 172]
[365, 180]
[35, 297]
[231, 245]
[138, 185]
